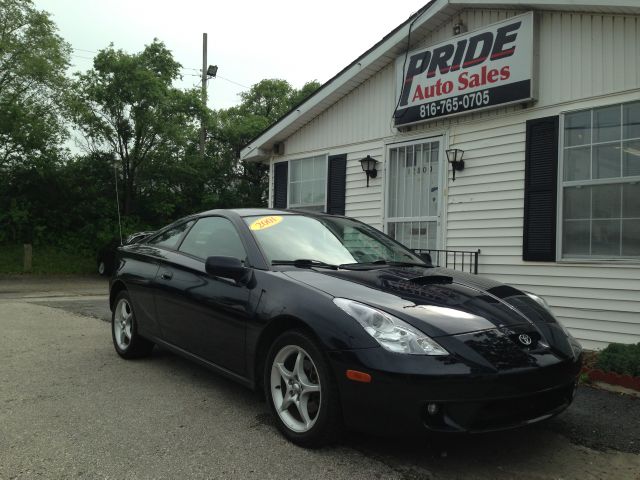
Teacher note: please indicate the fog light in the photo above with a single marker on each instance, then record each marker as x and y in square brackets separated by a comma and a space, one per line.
[432, 408]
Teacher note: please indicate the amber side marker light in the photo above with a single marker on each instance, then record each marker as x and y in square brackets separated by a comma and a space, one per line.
[357, 376]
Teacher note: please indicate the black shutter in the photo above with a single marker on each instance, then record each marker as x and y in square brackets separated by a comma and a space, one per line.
[336, 184]
[540, 190]
[280, 180]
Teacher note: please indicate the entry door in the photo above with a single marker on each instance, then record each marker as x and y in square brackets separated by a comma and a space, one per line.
[414, 193]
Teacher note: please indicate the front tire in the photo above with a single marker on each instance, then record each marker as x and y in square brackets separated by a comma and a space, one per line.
[301, 392]
[124, 330]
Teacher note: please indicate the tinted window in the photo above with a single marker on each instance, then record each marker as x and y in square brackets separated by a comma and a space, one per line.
[171, 237]
[327, 239]
[213, 236]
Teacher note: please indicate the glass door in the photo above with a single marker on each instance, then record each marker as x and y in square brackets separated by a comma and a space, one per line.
[414, 192]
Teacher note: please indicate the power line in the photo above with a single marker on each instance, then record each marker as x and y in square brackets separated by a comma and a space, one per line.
[231, 81]
[84, 50]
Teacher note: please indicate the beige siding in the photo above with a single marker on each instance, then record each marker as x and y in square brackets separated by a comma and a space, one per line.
[586, 60]
[362, 202]
[600, 303]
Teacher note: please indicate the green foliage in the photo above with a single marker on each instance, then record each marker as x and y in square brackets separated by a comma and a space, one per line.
[127, 106]
[233, 128]
[620, 358]
[138, 130]
[46, 260]
[33, 60]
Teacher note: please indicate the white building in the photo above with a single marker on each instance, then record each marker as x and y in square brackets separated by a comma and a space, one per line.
[543, 98]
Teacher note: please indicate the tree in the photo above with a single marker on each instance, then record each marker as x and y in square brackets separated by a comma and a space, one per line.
[127, 105]
[233, 128]
[33, 60]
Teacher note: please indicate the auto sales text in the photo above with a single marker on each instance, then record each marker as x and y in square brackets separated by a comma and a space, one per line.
[466, 53]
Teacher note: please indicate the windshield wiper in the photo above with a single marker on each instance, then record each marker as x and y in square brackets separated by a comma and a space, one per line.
[384, 262]
[305, 263]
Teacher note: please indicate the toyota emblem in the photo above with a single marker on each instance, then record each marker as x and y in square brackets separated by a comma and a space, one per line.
[524, 339]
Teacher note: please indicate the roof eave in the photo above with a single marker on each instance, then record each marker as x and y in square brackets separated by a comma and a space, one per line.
[365, 66]
[308, 109]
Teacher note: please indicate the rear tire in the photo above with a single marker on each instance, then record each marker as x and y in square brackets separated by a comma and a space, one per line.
[301, 391]
[124, 330]
[102, 268]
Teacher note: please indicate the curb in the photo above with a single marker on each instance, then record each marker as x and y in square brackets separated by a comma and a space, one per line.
[613, 378]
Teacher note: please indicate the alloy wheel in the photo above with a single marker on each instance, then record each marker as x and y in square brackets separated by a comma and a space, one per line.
[295, 388]
[123, 324]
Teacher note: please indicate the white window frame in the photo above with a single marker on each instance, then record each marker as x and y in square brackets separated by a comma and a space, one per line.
[561, 184]
[442, 172]
[326, 174]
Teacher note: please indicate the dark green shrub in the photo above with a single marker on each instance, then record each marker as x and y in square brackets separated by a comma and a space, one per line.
[620, 358]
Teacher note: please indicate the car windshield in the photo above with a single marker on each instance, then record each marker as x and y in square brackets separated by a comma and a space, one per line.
[329, 240]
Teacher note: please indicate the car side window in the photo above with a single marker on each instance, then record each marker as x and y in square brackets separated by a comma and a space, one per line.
[171, 237]
[213, 236]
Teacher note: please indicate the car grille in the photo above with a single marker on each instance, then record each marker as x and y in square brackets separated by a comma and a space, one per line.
[499, 414]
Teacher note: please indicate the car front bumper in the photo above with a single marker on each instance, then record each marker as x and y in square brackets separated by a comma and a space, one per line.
[462, 398]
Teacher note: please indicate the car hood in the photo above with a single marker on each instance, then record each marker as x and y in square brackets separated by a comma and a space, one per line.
[438, 301]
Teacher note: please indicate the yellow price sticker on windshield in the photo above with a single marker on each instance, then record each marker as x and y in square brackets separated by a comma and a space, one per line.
[265, 222]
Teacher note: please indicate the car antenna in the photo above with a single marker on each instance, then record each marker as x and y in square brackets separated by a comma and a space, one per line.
[115, 172]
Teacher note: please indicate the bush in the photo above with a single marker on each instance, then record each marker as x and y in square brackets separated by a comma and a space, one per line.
[46, 260]
[620, 358]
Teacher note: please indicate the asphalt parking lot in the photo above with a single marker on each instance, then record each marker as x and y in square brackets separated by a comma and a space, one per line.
[71, 408]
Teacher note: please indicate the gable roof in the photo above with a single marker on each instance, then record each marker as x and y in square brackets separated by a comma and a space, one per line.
[395, 43]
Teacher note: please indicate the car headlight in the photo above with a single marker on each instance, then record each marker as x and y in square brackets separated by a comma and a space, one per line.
[390, 332]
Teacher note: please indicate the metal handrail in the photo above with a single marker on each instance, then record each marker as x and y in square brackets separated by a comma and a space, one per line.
[454, 259]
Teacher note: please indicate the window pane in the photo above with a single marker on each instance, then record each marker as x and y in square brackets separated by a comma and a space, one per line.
[306, 193]
[606, 161]
[631, 237]
[576, 237]
[576, 202]
[294, 193]
[631, 117]
[605, 237]
[631, 158]
[318, 192]
[393, 180]
[606, 201]
[307, 168]
[577, 163]
[631, 200]
[319, 167]
[577, 128]
[213, 236]
[170, 238]
[431, 234]
[296, 171]
[606, 124]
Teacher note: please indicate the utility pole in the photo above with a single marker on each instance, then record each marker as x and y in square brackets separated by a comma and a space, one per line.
[204, 92]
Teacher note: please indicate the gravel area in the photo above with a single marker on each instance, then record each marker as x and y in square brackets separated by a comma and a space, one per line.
[71, 408]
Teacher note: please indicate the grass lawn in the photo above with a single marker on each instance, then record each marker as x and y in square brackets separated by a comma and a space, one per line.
[46, 260]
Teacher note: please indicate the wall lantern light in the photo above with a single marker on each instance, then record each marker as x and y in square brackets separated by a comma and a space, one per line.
[454, 156]
[369, 167]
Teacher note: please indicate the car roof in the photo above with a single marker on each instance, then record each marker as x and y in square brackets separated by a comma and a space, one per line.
[251, 212]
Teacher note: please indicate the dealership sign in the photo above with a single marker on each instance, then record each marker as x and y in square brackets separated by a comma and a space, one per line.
[478, 70]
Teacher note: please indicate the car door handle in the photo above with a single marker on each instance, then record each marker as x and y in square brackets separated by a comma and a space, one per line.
[166, 275]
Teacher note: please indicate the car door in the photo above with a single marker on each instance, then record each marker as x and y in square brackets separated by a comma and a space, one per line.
[205, 315]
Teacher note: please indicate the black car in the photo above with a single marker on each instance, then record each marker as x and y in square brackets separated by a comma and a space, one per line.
[342, 326]
[106, 255]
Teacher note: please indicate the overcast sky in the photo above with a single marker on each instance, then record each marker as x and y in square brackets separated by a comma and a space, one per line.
[249, 40]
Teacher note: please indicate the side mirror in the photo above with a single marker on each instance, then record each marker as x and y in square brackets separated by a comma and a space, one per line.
[226, 267]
